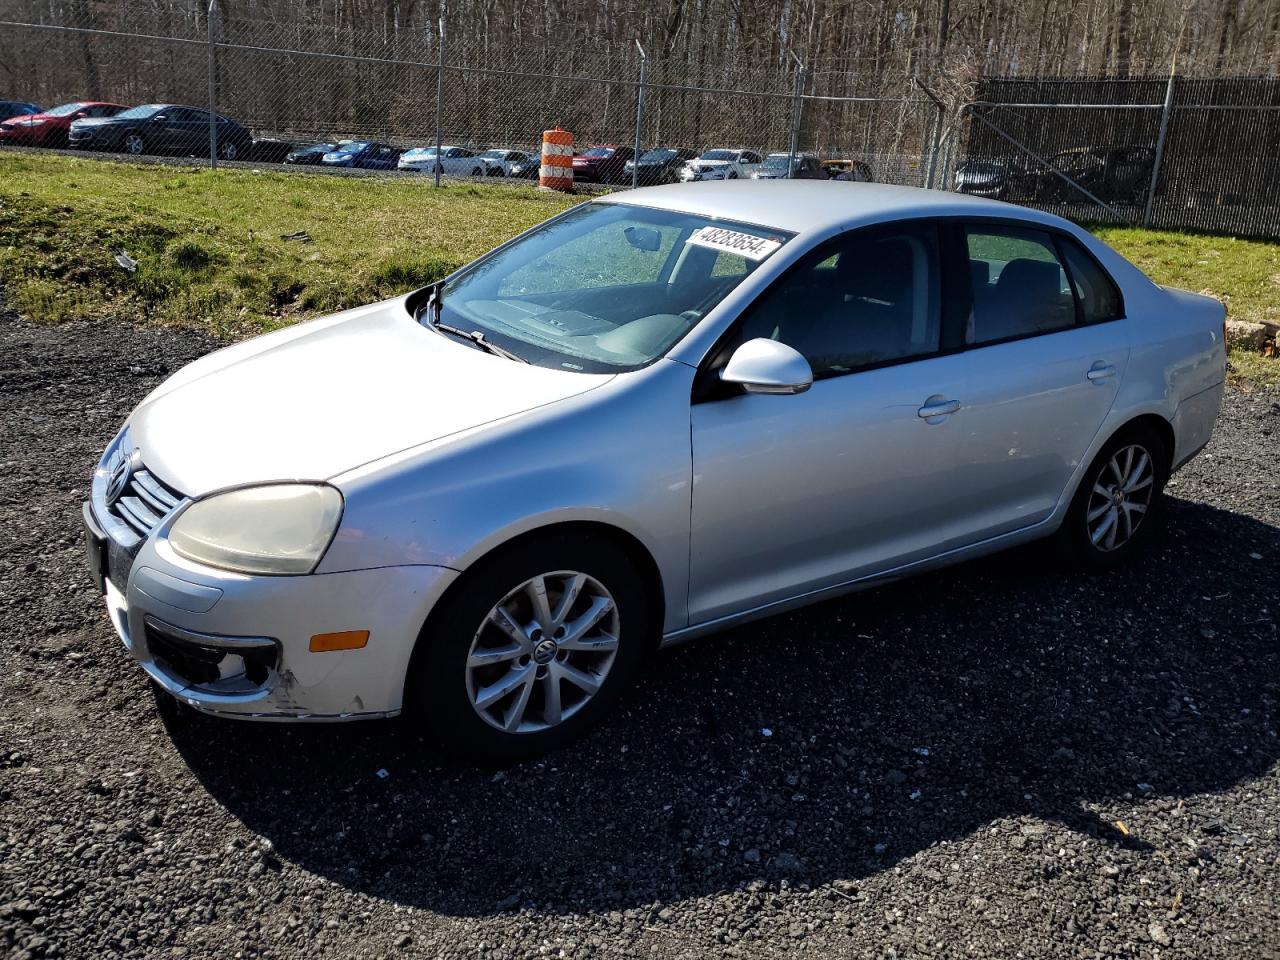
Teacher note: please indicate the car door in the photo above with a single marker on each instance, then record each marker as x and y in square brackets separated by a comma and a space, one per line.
[796, 493]
[1045, 359]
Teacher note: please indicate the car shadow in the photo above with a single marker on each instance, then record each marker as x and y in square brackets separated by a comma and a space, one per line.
[822, 745]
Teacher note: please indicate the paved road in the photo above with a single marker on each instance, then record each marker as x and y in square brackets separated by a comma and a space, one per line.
[993, 759]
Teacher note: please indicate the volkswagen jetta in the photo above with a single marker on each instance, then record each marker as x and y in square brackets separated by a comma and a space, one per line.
[658, 414]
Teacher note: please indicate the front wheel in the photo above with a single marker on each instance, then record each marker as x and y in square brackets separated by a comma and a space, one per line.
[134, 145]
[1118, 503]
[530, 648]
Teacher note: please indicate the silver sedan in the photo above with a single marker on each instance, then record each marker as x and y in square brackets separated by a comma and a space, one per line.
[656, 415]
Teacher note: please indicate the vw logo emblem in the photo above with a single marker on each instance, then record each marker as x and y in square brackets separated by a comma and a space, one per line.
[118, 476]
[544, 652]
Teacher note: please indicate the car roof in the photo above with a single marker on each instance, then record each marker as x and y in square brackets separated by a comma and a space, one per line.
[815, 206]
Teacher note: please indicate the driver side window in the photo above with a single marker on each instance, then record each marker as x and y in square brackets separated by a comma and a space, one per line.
[862, 300]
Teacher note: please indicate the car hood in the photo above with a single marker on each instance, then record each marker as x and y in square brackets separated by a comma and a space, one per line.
[321, 398]
[85, 122]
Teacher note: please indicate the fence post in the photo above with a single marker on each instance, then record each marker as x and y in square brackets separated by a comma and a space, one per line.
[644, 72]
[935, 136]
[797, 107]
[1155, 163]
[444, 7]
[213, 93]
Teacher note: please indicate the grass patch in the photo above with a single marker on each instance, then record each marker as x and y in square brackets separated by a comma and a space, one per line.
[211, 250]
[210, 245]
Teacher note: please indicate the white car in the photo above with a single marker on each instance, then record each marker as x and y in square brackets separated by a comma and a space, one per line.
[722, 165]
[509, 163]
[659, 414]
[454, 161]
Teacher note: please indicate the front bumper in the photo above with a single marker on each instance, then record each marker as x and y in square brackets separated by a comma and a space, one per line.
[237, 645]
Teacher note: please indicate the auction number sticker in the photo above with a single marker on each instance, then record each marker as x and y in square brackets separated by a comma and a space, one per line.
[732, 241]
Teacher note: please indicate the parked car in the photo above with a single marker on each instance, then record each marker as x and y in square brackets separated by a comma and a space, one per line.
[270, 150]
[363, 155]
[660, 165]
[1119, 174]
[160, 128]
[984, 178]
[722, 165]
[782, 166]
[504, 163]
[16, 108]
[852, 171]
[454, 161]
[561, 497]
[311, 155]
[604, 163]
[49, 128]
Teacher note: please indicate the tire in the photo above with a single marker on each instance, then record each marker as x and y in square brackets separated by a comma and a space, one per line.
[476, 172]
[732, 175]
[133, 144]
[227, 150]
[1097, 541]
[445, 688]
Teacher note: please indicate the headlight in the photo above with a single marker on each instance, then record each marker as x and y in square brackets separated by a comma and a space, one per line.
[279, 529]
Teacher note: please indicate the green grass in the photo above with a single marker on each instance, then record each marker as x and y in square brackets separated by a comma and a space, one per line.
[210, 249]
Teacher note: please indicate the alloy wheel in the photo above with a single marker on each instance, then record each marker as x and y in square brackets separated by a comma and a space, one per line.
[133, 144]
[1120, 497]
[542, 652]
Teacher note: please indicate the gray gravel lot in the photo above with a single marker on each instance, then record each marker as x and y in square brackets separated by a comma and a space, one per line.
[998, 760]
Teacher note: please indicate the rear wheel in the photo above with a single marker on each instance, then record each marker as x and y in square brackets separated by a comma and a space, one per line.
[1118, 504]
[530, 649]
[134, 144]
[227, 150]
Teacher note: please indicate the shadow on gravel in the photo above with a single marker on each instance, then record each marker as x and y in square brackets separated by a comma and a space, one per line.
[824, 745]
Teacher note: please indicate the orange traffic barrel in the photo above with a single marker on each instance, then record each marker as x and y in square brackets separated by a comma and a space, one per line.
[557, 160]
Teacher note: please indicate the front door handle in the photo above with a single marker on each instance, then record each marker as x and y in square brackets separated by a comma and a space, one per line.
[1101, 371]
[937, 406]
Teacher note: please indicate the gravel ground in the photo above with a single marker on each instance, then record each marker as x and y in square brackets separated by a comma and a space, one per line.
[998, 760]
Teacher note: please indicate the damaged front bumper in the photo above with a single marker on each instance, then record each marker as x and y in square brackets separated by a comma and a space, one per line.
[236, 645]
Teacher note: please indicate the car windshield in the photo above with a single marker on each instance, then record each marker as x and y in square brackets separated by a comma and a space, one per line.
[657, 156]
[354, 146]
[495, 154]
[140, 113]
[720, 155]
[777, 161]
[599, 152]
[605, 287]
[321, 148]
[64, 111]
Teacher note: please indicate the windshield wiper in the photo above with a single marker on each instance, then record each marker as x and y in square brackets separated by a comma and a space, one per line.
[432, 310]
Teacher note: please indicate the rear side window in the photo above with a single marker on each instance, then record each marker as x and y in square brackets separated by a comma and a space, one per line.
[1097, 293]
[1019, 286]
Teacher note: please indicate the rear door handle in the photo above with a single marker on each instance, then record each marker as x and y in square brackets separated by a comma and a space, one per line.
[1101, 371]
[937, 407]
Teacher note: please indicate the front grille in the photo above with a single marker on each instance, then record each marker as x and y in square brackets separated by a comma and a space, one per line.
[145, 502]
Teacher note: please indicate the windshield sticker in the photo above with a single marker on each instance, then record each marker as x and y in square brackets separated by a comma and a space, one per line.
[731, 241]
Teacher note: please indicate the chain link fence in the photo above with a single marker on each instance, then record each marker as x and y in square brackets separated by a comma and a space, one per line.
[1170, 152]
[1178, 153]
[282, 88]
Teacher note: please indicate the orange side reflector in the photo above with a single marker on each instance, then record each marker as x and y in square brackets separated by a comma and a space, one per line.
[345, 640]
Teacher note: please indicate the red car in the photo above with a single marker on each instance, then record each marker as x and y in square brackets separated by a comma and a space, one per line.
[49, 129]
[605, 163]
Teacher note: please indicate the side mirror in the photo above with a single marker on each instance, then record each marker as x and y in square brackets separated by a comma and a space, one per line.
[767, 366]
